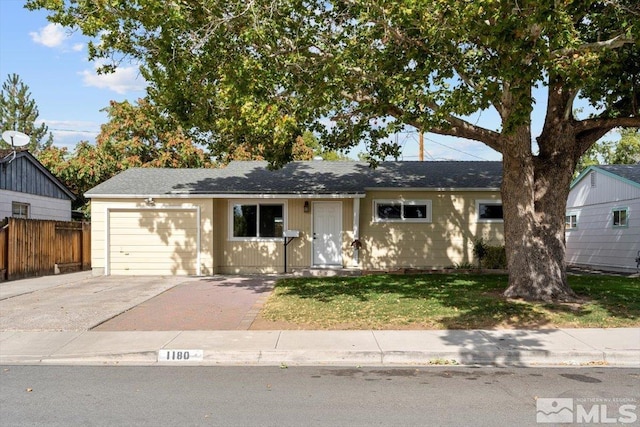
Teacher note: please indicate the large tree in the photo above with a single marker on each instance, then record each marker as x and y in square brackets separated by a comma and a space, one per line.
[18, 111]
[259, 71]
[135, 135]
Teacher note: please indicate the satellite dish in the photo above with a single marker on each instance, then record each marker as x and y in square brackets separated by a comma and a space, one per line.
[15, 138]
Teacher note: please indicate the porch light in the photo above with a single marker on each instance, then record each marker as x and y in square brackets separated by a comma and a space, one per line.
[306, 206]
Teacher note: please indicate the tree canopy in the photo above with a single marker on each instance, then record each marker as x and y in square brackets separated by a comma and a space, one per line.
[135, 136]
[259, 72]
[18, 111]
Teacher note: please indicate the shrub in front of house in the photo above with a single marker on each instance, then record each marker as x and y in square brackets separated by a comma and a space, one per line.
[489, 256]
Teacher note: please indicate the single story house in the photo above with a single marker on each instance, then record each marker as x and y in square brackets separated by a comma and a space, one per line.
[29, 190]
[602, 221]
[345, 215]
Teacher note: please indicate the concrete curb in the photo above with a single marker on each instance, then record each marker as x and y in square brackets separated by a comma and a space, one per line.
[338, 348]
[306, 358]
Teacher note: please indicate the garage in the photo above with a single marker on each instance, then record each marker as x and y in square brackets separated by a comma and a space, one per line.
[153, 241]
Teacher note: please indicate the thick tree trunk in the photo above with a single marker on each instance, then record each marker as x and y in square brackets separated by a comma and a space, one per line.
[534, 195]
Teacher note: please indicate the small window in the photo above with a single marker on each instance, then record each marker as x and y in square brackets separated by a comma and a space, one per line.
[592, 176]
[620, 217]
[570, 221]
[260, 220]
[402, 210]
[20, 210]
[489, 211]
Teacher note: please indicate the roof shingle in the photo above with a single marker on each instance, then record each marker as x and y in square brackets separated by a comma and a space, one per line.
[630, 172]
[314, 177]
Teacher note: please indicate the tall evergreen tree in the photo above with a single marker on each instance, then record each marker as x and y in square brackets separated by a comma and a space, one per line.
[19, 112]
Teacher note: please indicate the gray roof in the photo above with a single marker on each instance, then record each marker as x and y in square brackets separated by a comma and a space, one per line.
[629, 172]
[314, 177]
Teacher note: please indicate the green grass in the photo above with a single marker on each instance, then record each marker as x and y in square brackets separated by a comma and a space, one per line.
[448, 301]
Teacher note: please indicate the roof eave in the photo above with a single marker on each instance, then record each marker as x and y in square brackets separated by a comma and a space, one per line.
[229, 196]
[441, 189]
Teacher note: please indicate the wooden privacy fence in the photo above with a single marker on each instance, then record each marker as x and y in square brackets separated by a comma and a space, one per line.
[30, 247]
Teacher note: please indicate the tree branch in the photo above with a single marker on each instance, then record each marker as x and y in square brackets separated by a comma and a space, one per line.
[591, 130]
[613, 43]
[457, 127]
[464, 129]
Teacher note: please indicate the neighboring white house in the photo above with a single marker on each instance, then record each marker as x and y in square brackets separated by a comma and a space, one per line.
[603, 218]
[29, 190]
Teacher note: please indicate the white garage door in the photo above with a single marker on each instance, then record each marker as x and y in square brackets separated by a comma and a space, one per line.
[153, 242]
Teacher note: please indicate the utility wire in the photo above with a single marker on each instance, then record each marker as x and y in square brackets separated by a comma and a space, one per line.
[412, 135]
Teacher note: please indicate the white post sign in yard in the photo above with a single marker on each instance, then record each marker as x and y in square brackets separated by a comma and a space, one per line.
[174, 355]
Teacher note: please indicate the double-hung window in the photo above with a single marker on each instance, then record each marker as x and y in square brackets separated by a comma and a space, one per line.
[402, 210]
[257, 220]
[620, 217]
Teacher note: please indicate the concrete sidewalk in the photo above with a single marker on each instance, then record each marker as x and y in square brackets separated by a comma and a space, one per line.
[51, 320]
[547, 347]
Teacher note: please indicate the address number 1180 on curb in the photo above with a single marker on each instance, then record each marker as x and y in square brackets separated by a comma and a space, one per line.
[180, 355]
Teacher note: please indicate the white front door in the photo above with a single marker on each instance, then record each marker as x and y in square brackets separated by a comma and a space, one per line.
[327, 233]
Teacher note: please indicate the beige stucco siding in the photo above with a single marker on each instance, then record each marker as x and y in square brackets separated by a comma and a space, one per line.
[158, 239]
[445, 241]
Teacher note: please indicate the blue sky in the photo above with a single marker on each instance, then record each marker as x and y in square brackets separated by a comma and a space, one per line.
[70, 94]
[53, 63]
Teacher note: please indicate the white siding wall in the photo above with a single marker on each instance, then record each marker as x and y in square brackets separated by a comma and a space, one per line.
[39, 207]
[595, 243]
[607, 189]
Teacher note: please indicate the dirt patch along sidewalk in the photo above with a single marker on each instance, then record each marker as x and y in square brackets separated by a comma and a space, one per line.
[219, 303]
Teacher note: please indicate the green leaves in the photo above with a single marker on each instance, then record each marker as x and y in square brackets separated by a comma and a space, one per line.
[261, 73]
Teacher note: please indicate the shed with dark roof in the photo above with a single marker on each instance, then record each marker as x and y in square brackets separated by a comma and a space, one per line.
[348, 215]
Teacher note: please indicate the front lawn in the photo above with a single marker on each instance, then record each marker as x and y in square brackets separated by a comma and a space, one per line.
[447, 301]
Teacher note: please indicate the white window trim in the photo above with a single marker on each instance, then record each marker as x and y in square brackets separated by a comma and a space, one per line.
[570, 214]
[232, 238]
[620, 209]
[402, 203]
[488, 202]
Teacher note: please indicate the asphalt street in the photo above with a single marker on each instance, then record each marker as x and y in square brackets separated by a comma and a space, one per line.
[311, 396]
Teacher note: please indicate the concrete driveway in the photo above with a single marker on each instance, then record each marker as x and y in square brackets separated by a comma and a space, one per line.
[79, 302]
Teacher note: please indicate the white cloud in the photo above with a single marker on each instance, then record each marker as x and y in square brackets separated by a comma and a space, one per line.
[123, 80]
[52, 35]
[77, 47]
[67, 133]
